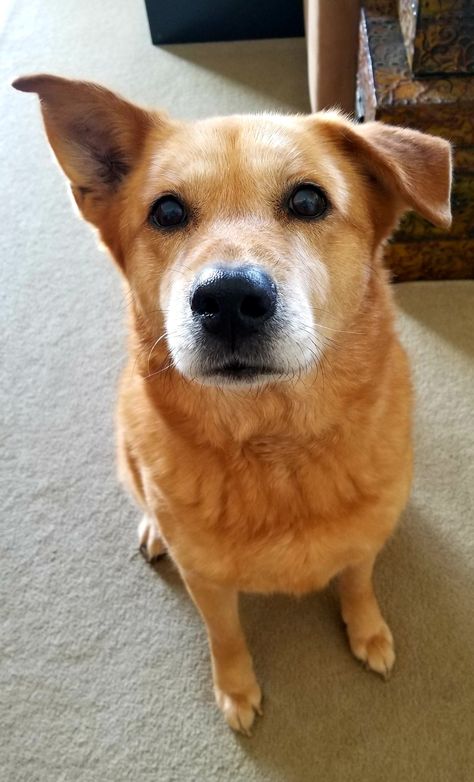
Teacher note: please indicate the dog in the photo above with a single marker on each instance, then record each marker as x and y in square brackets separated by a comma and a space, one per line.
[264, 417]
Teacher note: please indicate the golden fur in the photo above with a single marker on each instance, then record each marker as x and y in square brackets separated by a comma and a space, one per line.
[279, 486]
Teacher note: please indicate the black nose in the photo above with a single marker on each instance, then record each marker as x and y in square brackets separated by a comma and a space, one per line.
[233, 302]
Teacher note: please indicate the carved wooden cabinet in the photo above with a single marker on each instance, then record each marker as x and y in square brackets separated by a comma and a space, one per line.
[416, 68]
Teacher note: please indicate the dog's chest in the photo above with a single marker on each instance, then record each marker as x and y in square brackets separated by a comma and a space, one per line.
[262, 518]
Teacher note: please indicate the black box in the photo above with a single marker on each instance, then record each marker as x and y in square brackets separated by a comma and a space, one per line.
[193, 21]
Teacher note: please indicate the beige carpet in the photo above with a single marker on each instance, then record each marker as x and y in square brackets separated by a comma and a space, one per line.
[104, 666]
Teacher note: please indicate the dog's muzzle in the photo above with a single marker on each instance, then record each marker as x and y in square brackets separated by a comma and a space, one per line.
[232, 308]
[233, 303]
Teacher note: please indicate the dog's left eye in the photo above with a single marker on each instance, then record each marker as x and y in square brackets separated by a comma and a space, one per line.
[308, 201]
[168, 212]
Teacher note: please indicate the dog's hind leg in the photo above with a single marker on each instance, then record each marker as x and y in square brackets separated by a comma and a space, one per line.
[149, 538]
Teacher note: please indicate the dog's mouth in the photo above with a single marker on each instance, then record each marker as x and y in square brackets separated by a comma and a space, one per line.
[239, 371]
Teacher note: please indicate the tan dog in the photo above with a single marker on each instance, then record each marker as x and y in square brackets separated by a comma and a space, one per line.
[264, 417]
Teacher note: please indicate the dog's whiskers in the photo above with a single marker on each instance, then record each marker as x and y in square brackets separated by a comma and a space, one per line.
[340, 331]
[155, 344]
[170, 365]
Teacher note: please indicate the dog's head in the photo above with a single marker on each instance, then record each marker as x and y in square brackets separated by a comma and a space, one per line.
[247, 241]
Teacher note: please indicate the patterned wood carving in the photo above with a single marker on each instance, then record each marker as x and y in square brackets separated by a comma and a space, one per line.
[438, 35]
[443, 105]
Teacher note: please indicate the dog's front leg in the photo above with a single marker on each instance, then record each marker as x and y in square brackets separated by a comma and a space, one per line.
[236, 689]
[369, 635]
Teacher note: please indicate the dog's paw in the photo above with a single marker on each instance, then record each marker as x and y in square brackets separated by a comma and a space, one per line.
[239, 709]
[376, 650]
[149, 540]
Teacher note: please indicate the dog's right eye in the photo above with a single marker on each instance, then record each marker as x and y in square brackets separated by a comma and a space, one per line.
[308, 201]
[168, 212]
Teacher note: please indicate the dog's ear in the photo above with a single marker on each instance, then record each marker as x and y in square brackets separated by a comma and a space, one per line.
[96, 136]
[416, 165]
[413, 169]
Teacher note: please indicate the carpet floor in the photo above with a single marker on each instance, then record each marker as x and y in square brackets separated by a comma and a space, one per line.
[104, 668]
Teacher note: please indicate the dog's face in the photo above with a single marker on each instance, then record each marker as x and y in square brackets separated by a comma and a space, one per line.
[247, 242]
[249, 238]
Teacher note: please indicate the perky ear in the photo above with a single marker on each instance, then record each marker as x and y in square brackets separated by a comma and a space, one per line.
[413, 168]
[96, 136]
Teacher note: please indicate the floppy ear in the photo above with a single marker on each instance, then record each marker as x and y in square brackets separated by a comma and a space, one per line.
[96, 136]
[413, 169]
[416, 165]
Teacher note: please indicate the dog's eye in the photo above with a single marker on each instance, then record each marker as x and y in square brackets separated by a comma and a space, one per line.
[168, 212]
[308, 201]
